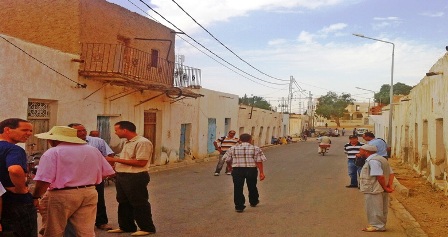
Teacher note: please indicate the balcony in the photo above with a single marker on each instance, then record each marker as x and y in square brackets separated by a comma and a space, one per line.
[125, 66]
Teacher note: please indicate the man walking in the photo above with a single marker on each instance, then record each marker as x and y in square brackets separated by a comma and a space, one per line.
[101, 213]
[246, 160]
[351, 149]
[378, 142]
[19, 214]
[222, 145]
[69, 171]
[376, 181]
[131, 182]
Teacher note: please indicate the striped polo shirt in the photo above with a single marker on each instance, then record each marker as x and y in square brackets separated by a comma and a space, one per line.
[226, 143]
[352, 150]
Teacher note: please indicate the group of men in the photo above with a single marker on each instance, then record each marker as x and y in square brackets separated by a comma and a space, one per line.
[370, 171]
[69, 188]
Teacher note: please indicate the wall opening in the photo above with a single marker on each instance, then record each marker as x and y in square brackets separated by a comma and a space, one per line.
[440, 149]
[227, 124]
[424, 161]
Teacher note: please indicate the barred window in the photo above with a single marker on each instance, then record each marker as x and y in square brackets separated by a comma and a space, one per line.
[39, 110]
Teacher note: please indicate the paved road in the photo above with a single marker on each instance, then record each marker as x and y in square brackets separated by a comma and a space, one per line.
[304, 194]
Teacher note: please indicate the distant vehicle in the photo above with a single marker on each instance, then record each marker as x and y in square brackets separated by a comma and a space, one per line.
[361, 131]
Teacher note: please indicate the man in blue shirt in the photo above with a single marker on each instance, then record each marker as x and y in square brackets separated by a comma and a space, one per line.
[378, 142]
[19, 213]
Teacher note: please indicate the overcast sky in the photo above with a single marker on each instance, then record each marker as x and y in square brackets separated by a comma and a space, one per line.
[310, 40]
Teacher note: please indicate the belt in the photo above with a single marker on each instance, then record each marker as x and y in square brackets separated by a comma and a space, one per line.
[77, 187]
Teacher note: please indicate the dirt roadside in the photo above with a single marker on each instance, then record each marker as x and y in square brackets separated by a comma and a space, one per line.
[426, 204]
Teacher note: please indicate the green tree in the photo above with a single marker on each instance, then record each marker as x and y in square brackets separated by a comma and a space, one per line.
[256, 101]
[384, 94]
[332, 106]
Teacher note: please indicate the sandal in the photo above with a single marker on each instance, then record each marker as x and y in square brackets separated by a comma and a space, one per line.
[372, 229]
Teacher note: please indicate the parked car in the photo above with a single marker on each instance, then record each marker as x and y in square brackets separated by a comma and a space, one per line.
[361, 131]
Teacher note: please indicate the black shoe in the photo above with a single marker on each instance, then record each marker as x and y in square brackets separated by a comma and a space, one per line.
[351, 186]
[239, 210]
[254, 204]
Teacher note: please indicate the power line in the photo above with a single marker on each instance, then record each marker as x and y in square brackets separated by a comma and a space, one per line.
[225, 45]
[54, 70]
[209, 49]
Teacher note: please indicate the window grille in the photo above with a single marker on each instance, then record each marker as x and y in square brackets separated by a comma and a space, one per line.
[38, 110]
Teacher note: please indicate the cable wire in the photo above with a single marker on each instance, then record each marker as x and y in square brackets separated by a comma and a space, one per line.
[225, 45]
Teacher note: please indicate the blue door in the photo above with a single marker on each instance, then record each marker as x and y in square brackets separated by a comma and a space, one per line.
[183, 130]
[211, 135]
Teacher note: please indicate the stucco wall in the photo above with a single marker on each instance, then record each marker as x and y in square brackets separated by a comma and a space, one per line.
[262, 124]
[419, 125]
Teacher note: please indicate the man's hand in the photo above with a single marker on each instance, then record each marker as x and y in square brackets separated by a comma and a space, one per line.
[388, 189]
[262, 176]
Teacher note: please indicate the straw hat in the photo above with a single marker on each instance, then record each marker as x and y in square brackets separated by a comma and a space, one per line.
[63, 134]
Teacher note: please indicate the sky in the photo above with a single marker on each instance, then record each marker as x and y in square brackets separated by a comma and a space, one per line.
[311, 41]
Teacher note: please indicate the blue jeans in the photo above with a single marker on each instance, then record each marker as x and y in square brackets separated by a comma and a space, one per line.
[352, 172]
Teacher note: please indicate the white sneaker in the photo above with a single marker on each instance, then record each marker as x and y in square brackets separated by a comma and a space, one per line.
[228, 173]
[216, 174]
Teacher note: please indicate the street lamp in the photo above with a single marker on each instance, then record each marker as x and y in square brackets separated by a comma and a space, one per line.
[391, 92]
[369, 100]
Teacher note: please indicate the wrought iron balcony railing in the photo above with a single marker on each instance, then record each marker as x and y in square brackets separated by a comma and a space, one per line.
[118, 63]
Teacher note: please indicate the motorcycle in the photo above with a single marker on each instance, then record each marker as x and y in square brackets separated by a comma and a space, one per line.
[324, 148]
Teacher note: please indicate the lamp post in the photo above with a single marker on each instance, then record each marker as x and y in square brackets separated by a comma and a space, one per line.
[369, 100]
[391, 92]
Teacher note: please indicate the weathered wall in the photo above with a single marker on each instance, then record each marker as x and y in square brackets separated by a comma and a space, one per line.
[64, 24]
[419, 125]
[261, 124]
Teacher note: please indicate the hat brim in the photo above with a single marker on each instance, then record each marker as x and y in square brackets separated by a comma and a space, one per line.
[50, 136]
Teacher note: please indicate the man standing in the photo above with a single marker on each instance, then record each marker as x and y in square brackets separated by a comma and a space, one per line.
[131, 182]
[224, 144]
[101, 213]
[19, 214]
[246, 160]
[69, 170]
[376, 181]
[351, 149]
[378, 142]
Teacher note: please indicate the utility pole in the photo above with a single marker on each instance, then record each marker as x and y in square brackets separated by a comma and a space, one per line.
[291, 79]
[310, 108]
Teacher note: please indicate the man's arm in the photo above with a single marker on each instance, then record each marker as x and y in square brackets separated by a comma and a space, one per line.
[138, 163]
[39, 190]
[260, 169]
[18, 178]
[382, 181]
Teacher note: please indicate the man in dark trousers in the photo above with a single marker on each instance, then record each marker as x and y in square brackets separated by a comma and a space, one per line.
[246, 160]
[132, 182]
[19, 215]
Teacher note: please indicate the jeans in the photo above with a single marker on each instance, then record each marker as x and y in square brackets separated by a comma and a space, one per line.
[20, 219]
[352, 172]
[133, 204]
[221, 163]
[239, 175]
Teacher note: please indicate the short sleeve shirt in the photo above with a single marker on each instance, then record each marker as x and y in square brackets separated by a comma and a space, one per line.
[244, 155]
[138, 148]
[100, 144]
[10, 154]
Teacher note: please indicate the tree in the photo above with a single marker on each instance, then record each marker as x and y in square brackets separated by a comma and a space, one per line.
[332, 106]
[384, 94]
[256, 101]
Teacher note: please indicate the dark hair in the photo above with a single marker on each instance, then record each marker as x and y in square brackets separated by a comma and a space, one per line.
[73, 124]
[369, 134]
[245, 137]
[12, 123]
[126, 125]
[352, 136]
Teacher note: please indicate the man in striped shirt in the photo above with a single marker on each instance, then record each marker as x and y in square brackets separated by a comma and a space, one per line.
[222, 145]
[351, 149]
[246, 160]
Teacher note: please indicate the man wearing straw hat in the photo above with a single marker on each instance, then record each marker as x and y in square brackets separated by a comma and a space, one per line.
[69, 171]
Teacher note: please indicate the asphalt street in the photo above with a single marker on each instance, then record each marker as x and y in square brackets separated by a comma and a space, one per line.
[304, 194]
